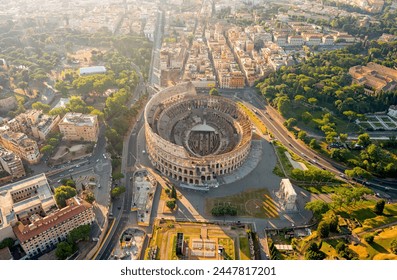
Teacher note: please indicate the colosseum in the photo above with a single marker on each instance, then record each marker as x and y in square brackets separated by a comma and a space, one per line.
[194, 138]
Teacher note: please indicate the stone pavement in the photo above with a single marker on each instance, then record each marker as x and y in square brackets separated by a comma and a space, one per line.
[250, 163]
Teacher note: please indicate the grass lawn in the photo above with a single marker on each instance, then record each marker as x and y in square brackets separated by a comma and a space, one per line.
[341, 125]
[324, 188]
[363, 212]
[284, 161]
[380, 248]
[328, 247]
[251, 203]
[244, 248]
[254, 118]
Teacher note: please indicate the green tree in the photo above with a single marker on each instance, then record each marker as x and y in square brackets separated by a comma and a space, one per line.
[302, 135]
[47, 149]
[330, 137]
[80, 233]
[173, 193]
[350, 115]
[314, 253]
[291, 122]
[117, 191]
[338, 154]
[90, 198]
[393, 246]
[64, 250]
[313, 144]
[333, 221]
[214, 91]
[41, 106]
[340, 247]
[171, 204]
[364, 139]
[63, 193]
[358, 172]
[318, 207]
[118, 176]
[53, 141]
[343, 137]
[369, 238]
[379, 207]
[7, 242]
[283, 105]
[299, 98]
[306, 117]
[312, 101]
[323, 229]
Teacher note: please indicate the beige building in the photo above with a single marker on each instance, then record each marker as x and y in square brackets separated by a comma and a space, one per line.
[34, 123]
[22, 199]
[44, 233]
[11, 163]
[374, 77]
[79, 127]
[20, 144]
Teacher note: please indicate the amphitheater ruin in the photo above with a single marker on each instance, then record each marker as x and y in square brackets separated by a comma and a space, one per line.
[194, 138]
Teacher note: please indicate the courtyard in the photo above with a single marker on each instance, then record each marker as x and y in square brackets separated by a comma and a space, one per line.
[69, 151]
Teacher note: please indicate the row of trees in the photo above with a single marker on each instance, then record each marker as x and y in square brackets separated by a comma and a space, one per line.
[223, 210]
[172, 195]
[67, 248]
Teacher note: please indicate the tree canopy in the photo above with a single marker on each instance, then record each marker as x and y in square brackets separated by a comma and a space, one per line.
[63, 193]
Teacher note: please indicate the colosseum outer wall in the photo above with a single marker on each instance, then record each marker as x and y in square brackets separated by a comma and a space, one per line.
[175, 161]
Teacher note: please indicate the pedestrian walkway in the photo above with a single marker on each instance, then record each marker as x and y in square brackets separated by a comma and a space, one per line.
[295, 164]
[249, 164]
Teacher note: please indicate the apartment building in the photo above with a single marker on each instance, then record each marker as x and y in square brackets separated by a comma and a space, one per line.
[328, 40]
[22, 199]
[34, 123]
[20, 144]
[43, 233]
[11, 163]
[79, 127]
[172, 56]
[344, 37]
[198, 68]
[313, 39]
[296, 40]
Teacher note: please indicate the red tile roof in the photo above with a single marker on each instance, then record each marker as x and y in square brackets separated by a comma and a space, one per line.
[24, 233]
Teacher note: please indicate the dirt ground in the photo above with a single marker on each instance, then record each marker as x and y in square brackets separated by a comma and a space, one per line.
[69, 152]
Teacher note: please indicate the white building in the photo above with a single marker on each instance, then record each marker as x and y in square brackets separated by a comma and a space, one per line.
[393, 111]
[84, 71]
[22, 199]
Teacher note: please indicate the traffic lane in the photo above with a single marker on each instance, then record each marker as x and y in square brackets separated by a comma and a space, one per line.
[115, 238]
[289, 141]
